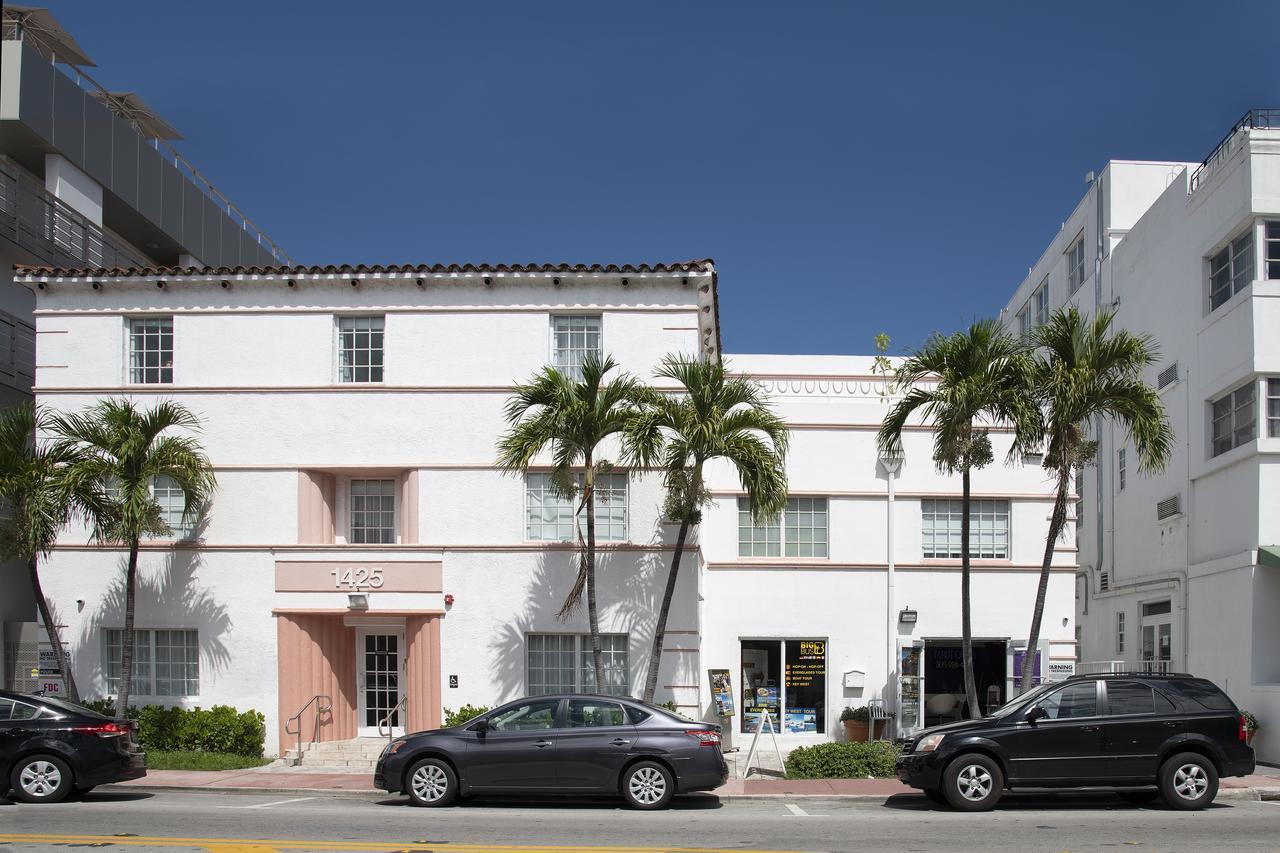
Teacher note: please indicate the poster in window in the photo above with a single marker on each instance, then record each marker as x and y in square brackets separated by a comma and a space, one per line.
[721, 692]
[801, 720]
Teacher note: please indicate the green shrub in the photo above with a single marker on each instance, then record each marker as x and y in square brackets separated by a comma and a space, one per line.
[105, 707]
[842, 760]
[158, 760]
[218, 729]
[861, 714]
[463, 714]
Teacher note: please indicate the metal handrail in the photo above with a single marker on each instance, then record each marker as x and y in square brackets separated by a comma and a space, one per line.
[324, 704]
[403, 703]
[1253, 118]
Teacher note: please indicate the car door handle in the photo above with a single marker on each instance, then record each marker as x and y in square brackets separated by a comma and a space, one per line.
[619, 741]
[1171, 724]
[541, 743]
[1088, 728]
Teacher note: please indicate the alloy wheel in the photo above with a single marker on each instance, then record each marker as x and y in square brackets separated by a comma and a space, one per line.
[1190, 781]
[647, 785]
[430, 783]
[974, 782]
[40, 778]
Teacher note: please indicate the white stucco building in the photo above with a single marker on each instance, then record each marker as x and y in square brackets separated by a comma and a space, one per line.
[363, 545]
[1181, 569]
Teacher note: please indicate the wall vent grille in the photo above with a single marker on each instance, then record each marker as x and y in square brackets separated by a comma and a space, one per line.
[1168, 376]
[1169, 507]
[1104, 581]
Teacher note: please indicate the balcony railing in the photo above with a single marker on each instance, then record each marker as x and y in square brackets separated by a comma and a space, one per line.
[1251, 119]
[41, 223]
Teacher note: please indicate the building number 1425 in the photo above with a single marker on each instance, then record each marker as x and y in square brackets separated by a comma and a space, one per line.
[357, 578]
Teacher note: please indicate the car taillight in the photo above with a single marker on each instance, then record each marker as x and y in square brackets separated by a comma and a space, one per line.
[1243, 733]
[103, 729]
[706, 737]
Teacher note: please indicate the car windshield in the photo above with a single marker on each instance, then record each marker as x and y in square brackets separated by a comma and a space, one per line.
[1019, 702]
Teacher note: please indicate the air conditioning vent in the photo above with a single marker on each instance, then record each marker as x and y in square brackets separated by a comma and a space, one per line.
[1168, 376]
[1169, 507]
[1104, 581]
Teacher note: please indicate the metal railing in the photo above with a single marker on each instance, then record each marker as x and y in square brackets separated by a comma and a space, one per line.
[1112, 667]
[324, 705]
[93, 87]
[43, 224]
[403, 704]
[1253, 118]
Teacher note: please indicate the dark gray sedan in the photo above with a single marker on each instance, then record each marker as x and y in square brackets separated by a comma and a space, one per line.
[568, 744]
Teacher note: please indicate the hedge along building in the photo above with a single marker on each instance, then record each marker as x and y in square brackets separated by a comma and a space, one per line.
[363, 545]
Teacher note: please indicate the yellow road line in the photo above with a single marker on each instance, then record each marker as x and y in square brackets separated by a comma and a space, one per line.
[261, 845]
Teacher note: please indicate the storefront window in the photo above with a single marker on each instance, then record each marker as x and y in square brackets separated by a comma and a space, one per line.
[794, 696]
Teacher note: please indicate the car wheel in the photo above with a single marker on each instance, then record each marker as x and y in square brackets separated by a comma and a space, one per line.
[1188, 781]
[973, 783]
[41, 779]
[431, 782]
[648, 785]
[1139, 798]
[935, 795]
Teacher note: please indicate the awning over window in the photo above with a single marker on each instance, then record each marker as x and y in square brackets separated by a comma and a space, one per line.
[1269, 555]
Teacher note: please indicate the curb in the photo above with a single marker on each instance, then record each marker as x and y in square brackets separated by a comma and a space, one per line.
[232, 789]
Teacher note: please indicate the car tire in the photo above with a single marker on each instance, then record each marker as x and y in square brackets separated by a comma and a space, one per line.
[41, 779]
[648, 785]
[973, 783]
[431, 783]
[1188, 781]
[935, 795]
[1139, 798]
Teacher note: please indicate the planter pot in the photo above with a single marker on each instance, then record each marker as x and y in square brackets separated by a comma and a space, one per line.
[856, 730]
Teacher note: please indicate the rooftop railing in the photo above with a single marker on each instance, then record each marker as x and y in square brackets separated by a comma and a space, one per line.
[1253, 118]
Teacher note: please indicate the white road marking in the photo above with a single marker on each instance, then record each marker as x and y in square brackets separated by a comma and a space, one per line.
[269, 805]
[799, 812]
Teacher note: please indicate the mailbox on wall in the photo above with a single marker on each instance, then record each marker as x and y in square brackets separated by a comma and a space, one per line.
[854, 679]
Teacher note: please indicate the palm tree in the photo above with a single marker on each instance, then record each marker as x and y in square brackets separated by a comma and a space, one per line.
[981, 382]
[716, 416]
[123, 449]
[571, 419]
[1086, 372]
[41, 498]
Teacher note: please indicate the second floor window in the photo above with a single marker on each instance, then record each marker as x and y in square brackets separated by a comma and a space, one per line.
[1233, 419]
[1231, 270]
[550, 516]
[1075, 264]
[1120, 466]
[373, 512]
[171, 500]
[801, 530]
[151, 350]
[1273, 250]
[988, 529]
[573, 338]
[360, 349]
[1273, 408]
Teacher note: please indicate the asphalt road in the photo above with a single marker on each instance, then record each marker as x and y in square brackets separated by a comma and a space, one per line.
[260, 822]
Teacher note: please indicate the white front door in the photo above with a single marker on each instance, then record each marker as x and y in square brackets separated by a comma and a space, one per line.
[379, 681]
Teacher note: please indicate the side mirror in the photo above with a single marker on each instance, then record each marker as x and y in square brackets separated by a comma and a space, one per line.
[480, 727]
[1035, 715]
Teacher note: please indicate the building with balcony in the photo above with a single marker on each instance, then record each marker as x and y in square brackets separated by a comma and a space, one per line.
[88, 178]
[1181, 569]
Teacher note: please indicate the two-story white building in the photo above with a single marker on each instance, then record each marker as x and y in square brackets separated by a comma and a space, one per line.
[362, 544]
[1181, 570]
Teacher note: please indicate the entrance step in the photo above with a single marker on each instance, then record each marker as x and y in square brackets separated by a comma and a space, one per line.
[356, 754]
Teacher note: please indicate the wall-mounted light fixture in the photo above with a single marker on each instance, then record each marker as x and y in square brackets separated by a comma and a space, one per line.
[160, 284]
[625, 282]
[291, 283]
[556, 281]
[488, 280]
[421, 283]
[907, 616]
[355, 282]
[357, 601]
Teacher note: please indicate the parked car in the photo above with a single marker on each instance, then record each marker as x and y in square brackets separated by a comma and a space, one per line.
[567, 744]
[50, 748]
[1142, 736]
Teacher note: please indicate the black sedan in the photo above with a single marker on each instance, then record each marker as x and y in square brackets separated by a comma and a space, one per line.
[49, 748]
[569, 744]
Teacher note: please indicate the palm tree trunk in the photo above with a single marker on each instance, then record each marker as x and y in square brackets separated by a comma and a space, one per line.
[660, 630]
[126, 652]
[593, 616]
[68, 679]
[966, 626]
[1056, 521]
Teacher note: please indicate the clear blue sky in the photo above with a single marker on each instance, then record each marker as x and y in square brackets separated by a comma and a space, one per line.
[851, 167]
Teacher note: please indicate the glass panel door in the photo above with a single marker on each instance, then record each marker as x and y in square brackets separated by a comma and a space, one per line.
[378, 672]
[910, 686]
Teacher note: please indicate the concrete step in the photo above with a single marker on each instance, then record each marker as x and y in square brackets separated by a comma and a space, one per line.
[357, 754]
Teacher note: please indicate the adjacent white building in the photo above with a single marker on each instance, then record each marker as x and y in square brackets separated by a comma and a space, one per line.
[363, 546]
[1181, 569]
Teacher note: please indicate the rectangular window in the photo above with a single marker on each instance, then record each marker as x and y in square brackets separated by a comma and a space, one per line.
[1231, 270]
[166, 662]
[988, 528]
[550, 515]
[1120, 632]
[372, 512]
[793, 697]
[1273, 408]
[1024, 320]
[1041, 301]
[1273, 250]
[1120, 467]
[573, 337]
[1079, 499]
[151, 350]
[801, 531]
[1234, 422]
[1075, 264]
[171, 500]
[563, 663]
[360, 349]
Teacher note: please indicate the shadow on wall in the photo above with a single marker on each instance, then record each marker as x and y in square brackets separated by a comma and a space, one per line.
[168, 597]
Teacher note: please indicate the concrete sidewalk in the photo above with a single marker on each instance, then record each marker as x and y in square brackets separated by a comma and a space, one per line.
[1255, 787]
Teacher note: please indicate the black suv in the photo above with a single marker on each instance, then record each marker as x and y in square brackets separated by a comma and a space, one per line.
[1143, 736]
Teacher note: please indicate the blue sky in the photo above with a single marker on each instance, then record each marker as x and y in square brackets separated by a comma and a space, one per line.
[852, 167]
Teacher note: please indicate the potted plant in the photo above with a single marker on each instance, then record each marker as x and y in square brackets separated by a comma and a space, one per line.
[857, 722]
[1250, 723]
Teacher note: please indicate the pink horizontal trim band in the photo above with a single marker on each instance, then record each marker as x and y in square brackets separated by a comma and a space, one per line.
[784, 564]
[346, 611]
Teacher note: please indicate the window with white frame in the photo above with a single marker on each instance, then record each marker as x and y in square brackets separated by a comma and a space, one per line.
[1231, 269]
[166, 661]
[550, 515]
[1120, 468]
[1234, 421]
[1041, 302]
[1120, 632]
[1079, 499]
[360, 342]
[1024, 320]
[372, 515]
[1273, 408]
[573, 337]
[151, 350]
[1075, 264]
[801, 530]
[563, 663]
[988, 528]
[169, 496]
[1272, 259]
